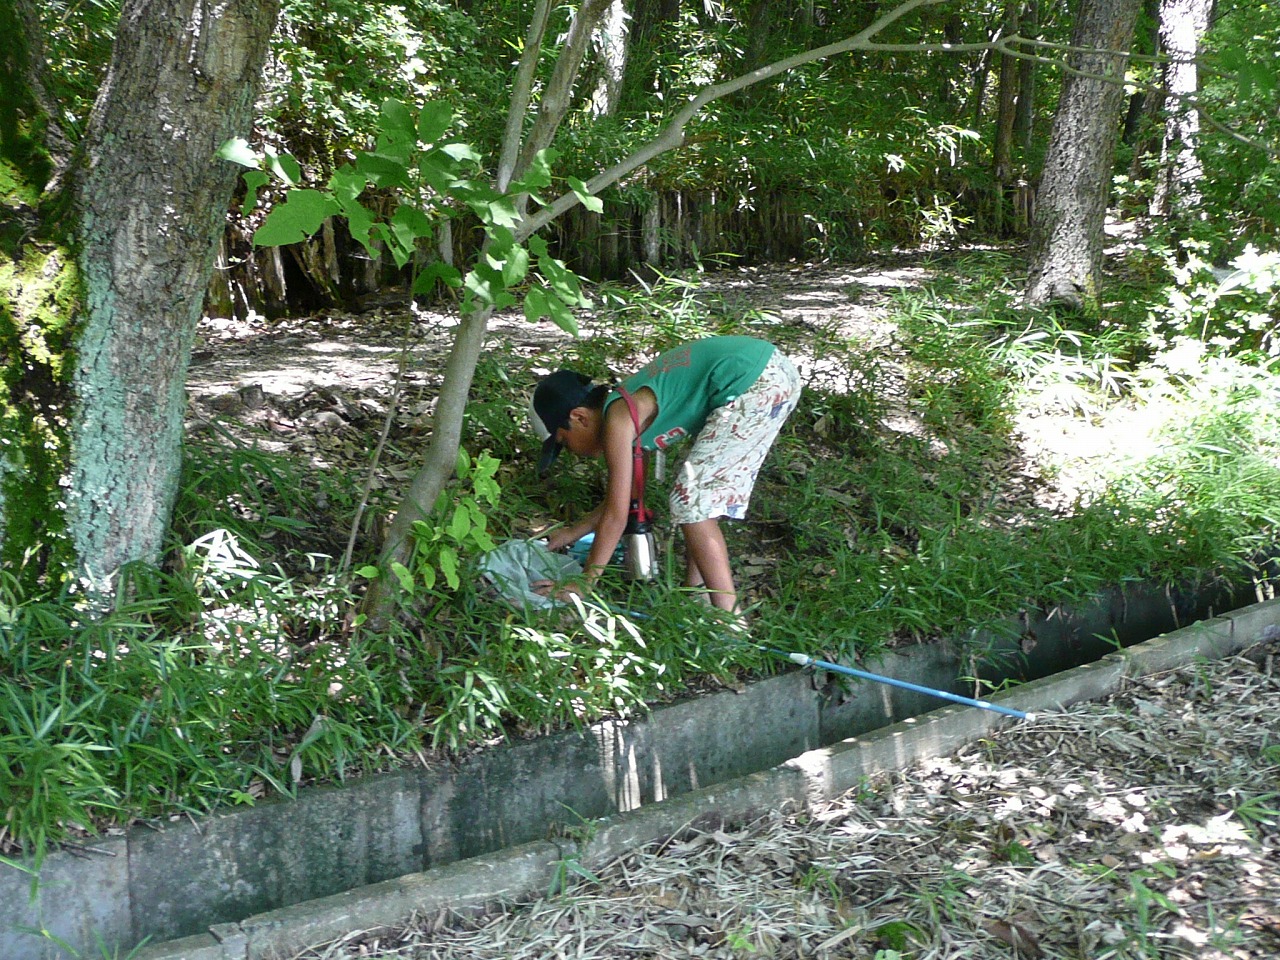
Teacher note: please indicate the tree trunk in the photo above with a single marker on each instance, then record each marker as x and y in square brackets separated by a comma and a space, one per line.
[1182, 27]
[146, 203]
[441, 456]
[611, 39]
[1006, 112]
[1071, 205]
[1024, 119]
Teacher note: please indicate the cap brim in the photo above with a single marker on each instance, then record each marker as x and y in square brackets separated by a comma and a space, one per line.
[550, 450]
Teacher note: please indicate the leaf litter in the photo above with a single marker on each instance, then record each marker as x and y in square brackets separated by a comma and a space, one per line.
[1143, 825]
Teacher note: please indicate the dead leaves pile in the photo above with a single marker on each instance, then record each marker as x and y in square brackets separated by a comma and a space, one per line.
[1141, 826]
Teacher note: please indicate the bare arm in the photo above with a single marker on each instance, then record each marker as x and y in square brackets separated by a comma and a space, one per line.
[619, 434]
[567, 536]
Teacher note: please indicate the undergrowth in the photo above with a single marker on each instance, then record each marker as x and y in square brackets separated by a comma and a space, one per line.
[242, 671]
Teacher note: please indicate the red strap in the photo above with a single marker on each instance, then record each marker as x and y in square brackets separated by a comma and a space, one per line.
[637, 462]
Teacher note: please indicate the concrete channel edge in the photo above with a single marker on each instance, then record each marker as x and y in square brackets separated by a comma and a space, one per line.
[803, 782]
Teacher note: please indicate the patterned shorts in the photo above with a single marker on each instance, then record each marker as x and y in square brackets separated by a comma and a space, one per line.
[720, 470]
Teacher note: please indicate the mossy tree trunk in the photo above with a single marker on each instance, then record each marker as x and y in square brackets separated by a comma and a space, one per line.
[1071, 204]
[37, 282]
[137, 225]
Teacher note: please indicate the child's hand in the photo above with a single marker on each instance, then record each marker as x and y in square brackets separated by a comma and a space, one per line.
[558, 540]
[547, 588]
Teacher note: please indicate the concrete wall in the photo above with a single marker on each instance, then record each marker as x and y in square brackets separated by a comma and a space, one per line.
[171, 880]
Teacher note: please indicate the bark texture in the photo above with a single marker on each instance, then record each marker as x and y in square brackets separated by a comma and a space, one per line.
[1071, 204]
[38, 290]
[1182, 28]
[151, 201]
[611, 40]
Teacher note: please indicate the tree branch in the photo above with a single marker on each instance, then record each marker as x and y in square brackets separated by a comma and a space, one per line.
[521, 94]
[554, 103]
[1192, 99]
[672, 135]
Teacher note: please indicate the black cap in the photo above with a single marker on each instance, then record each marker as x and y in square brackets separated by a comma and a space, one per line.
[553, 398]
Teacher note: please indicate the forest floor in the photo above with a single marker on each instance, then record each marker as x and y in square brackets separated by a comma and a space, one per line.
[1144, 825]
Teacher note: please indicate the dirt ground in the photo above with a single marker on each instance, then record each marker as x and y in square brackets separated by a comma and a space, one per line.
[1146, 825]
[287, 375]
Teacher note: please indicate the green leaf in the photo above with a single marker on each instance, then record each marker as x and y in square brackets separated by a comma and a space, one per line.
[301, 215]
[237, 150]
[538, 175]
[594, 204]
[347, 183]
[516, 267]
[414, 220]
[434, 120]
[461, 152]
[500, 212]
[369, 572]
[561, 316]
[399, 240]
[395, 121]
[429, 577]
[425, 282]
[484, 284]
[482, 480]
[360, 222]
[487, 466]
[402, 574]
[254, 180]
[382, 170]
[563, 281]
[438, 170]
[462, 466]
[536, 305]
[449, 567]
[460, 524]
[285, 167]
[402, 232]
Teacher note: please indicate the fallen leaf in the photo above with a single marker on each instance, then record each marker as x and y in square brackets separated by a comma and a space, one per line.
[1016, 935]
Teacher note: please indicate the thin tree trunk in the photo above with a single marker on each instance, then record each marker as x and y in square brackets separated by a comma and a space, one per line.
[1024, 120]
[612, 38]
[1007, 102]
[440, 459]
[1071, 205]
[1182, 28]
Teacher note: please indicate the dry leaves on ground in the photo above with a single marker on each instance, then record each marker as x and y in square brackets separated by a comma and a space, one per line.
[1146, 825]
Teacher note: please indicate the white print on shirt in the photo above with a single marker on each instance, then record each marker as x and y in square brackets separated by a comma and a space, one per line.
[674, 435]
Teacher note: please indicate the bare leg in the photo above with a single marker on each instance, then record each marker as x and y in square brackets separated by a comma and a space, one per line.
[693, 578]
[708, 563]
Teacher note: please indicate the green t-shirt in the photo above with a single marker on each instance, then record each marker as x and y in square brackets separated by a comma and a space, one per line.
[692, 380]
